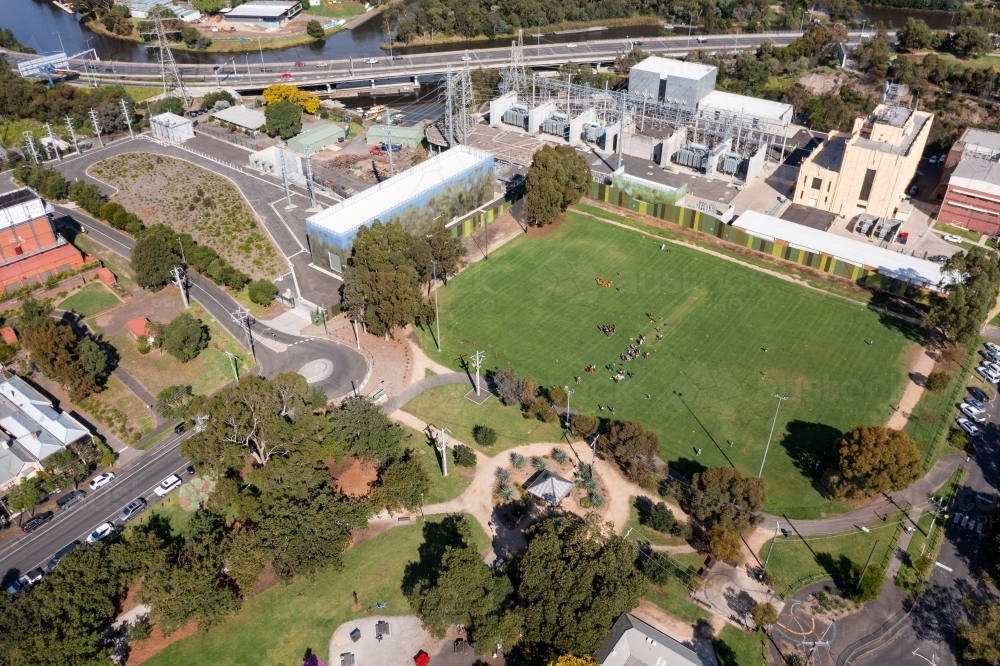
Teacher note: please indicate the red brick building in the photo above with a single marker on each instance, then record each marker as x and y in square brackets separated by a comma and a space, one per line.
[31, 250]
[972, 183]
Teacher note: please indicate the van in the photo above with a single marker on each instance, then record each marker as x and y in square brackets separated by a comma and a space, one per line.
[66, 501]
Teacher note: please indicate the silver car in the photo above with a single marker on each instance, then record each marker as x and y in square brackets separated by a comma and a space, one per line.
[132, 509]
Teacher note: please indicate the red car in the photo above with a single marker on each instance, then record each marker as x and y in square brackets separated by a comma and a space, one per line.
[300, 64]
[285, 75]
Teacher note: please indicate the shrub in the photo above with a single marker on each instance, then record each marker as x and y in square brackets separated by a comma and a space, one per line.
[558, 396]
[142, 344]
[959, 439]
[315, 30]
[938, 381]
[509, 386]
[464, 456]
[506, 493]
[764, 615]
[657, 516]
[517, 460]
[560, 456]
[871, 584]
[583, 425]
[529, 394]
[724, 544]
[539, 463]
[484, 435]
[541, 409]
[172, 401]
[657, 567]
[503, 475]
[262, 292]
[597, 500]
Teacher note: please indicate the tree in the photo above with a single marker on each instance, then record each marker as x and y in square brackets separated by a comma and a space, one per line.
[583, 425]
[210, 99]
[262, 292]
[368, 432]
[484, 435]
[632, 448]
[724, 544]
[875, 460]
[971, 40]
[938, 380]
[281, 92]
[315, 30]
[184, 337]
[722, 496]
[65, 467]
[509, 386]
[764, 615]
[283, 119]
[974, 283]
[154, 254]
[400, 484]
[27, 494]
[576, 577]
[572, 660]
[449, 252]
[557, 177]
[871, 584]
[464, 456]
[93, 359]
[658, 517]
[914, 35]
[979, 642]
[208, 6]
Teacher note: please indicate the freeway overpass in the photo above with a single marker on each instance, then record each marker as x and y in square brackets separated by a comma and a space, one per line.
[348, 73]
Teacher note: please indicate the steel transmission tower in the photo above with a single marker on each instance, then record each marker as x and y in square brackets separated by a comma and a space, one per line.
[171, 76]
[515, 77]
[468, 100]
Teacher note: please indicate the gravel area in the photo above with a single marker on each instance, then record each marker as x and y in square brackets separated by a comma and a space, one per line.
[406, 637]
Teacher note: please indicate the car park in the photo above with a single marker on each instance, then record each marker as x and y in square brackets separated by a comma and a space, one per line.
[132, 509]
[976, 416]
[979, 394]
[975, 404]
[167, 485]
[969, 427]
[102, 480]
[66, 501]
[988, 373]
[995, 348]
[37, 521]
[952, 238]
[61, 553]
[101, 532]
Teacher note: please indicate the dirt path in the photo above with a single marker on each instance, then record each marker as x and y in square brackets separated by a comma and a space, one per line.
[422, 362]
[919, 372]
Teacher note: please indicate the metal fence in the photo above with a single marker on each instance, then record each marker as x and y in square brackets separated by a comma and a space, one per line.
[247, 142]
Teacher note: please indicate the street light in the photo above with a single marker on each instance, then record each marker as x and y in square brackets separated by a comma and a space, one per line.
[781, 399]
[569, 392]
[437, 317]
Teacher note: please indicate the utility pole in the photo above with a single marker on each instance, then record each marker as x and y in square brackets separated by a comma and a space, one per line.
[621, 134]
[29, 145]
[261, 54]
[97, 126]
[777, 524]
[128, 118]
[72, 133]
[865, 570]
[449, 92]
[180, 279]
[477, 362]
[243, 318]
[442, 447]
[781, 399]
[232, 359]
[569, 392]
[309, 181]
[284, 178]
[388, 141]
[170, 75]
[357, 338]
[181, 245]
[437, 316]
[247, 56]
[52, 138]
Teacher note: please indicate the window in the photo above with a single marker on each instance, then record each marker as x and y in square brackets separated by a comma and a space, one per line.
[866, 186]
[817, 183]
[829, 185]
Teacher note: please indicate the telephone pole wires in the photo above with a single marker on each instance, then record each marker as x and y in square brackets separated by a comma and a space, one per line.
[180, 279]
[245, 321]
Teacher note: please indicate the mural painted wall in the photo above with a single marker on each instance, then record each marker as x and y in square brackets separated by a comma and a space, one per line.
[449, 199]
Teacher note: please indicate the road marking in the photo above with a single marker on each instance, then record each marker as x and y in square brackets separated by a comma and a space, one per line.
[948, 569]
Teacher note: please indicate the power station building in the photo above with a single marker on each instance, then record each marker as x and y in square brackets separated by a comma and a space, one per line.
[672, 81]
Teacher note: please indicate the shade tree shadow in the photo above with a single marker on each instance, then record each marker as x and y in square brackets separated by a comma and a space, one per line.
[838, 568]
[451, 532]
[810, 446]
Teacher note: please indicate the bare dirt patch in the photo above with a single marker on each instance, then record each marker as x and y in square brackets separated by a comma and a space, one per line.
[161, 306]
[352, 476]
[819, 83]
[189, 199]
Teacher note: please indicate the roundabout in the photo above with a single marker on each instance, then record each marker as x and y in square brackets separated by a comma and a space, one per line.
[316, 371]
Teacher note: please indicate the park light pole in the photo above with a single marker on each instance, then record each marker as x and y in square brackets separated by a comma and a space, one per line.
[442, 446]
[437, 317]
[569, 392]
[781, 399]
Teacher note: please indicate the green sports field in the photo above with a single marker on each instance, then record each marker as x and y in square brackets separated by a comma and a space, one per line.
[536, 304]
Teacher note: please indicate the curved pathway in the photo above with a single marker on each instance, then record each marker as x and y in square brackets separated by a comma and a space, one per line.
[418, 387]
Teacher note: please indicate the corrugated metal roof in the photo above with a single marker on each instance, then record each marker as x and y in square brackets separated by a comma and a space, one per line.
[242, 116]
[671, 67]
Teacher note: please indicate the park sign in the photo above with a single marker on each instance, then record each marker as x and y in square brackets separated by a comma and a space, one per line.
[41, 66]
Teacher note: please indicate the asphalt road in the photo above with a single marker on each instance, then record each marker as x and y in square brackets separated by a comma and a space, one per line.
[28, 551]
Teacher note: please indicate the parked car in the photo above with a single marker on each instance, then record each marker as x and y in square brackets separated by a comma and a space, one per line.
[132, 509]
[952, 238]
[371, 61]
[932, 159]
[102, 480]
[167, 485]
[941, 160]
[976, 415]
[61, 553]
[969, 427]
[988, 373]
[66, 501]
[975, 404]
[914, 190]
[27, 580]
[101, 532]
[979, 394]
[938, 258]
[37, 521]
[995, 348]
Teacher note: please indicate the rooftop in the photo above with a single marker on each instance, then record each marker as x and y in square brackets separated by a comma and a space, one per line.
[886, 262]
[20, 206]
[831, 152]
[242, 116]
[12, 461]
[671, 67]
[981, 142]
[920, 121]
[318, 133]
[632, 642]
[170, 120]
[750, 106]
[366, 206]
[261, 10]
[894, 115]
[550, 487]
[31, 420]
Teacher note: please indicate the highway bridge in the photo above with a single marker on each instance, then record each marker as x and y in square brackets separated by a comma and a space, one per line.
[318, 74]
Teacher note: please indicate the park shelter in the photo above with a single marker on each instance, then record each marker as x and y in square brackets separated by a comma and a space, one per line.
[241, 116]
[411, 137]
[317, 138]
[550, 488]
[171, 127]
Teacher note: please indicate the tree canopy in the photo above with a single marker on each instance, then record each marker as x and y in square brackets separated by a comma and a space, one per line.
[975, 276]
[558, 176]
[875, 460]
[184, 337]
[722, 496]
[283, 119]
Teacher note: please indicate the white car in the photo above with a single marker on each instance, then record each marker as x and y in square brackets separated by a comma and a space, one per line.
[701, 39]
[974, 415]
[371, 61]
[952, 238]
[969, 427]
[167, 485]
[988, 373]
[102, 480]
[466, 58]
[993, 347]
[932, 159]
[101, 532]
[322, 64]
[571, 46]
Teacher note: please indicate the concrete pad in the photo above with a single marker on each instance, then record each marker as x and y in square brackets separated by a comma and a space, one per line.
[291, 322]
[731, 593]
[406, 638]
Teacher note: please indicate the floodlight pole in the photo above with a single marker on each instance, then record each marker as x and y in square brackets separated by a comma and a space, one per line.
[569, 392]
[442, 447]
[477, 361]
[437, 316]
[781, 399]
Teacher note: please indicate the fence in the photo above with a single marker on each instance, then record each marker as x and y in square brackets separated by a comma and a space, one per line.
[712, 225]
[234, 138]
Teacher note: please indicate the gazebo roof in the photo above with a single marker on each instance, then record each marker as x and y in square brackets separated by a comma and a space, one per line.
[550, 487]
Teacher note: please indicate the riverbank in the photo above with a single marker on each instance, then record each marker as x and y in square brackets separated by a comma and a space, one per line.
[222, 44]
[545, 29]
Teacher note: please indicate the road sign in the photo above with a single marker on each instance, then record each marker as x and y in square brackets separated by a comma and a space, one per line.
[39, 66]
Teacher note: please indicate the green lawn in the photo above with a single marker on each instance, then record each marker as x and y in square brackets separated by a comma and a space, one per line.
[958, 231]
[341, 9]
[276, 627]
[209, 371]
[443, 488]
[536, 305]
[734, 647]
[168, 510]
[796, 562]
[907, 578]
[141, 93]
[92, 299]
[673, 597]
[446, 407]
